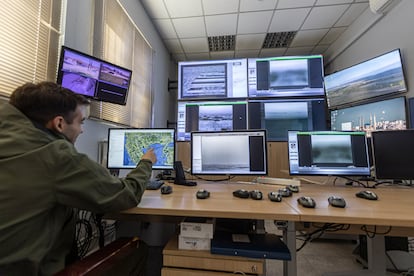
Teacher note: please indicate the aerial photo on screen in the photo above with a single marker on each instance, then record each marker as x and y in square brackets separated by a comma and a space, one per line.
[213, 118]
[204, 80]
[375, 77]
[136, 144]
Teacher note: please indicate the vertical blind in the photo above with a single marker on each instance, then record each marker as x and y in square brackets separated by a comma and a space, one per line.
[30, 34]
[121, 43]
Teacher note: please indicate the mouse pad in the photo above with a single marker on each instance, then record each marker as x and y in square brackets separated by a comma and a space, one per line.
[267, 246]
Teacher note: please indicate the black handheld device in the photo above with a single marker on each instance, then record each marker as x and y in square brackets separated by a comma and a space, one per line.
[180, 176]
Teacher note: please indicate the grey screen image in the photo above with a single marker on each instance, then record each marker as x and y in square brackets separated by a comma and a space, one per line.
[331, 149]
[215, 118]
[286, 73]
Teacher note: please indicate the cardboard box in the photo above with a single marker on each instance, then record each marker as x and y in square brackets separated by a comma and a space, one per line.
[193, 228]
[190, 243]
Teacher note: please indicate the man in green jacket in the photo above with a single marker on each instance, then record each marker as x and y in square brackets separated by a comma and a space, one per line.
[43, 178]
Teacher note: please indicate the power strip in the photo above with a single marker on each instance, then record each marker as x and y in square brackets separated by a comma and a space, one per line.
[277, 181]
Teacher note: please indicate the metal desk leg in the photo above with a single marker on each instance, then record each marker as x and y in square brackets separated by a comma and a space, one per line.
[289, 237]
[376, 255]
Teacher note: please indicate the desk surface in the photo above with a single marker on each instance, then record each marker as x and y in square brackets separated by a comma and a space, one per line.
[395, 206]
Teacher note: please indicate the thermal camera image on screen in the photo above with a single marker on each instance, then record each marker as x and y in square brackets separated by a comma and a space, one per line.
[214, 118]
[331, 149]
[222, 153]
[285, 73]
[136, 144]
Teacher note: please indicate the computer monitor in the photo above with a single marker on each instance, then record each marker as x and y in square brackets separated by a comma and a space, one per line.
[241, 152]
[379, 76]
[328, 153]
[286, 76]
[127, 145]
[210, 116]
[376, 116]
[279, 116]
[212, 79]
[93, 77]
[393, 154]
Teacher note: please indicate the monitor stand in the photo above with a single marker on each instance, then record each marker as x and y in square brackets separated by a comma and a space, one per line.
[180, 175]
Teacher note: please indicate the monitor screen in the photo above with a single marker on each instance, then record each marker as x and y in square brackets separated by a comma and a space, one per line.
[127, 145]
[382, 115]
[328, 153]
[210, 116]
[279, 116]
[229, 152]
[287, 76]
[93, 77]
[393, 154]
[212, 79]
[382, 75]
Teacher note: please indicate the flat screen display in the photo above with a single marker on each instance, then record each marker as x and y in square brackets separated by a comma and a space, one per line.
[393, 154]
[127, 145]
[212, 79]
[279, 116]
[287, 76]
[382, 75]
[93, 77]
[382, 115]
[210, 116]
[229, 152]
[328, 153]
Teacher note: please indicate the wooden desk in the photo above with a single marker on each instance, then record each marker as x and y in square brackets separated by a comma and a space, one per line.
[394, 208]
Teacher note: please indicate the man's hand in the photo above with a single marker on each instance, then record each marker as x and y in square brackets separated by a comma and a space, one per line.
[150, 155]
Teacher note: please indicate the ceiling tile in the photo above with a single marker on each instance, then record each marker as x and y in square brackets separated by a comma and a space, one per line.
[179, 57]
[189, 27]
[195, 45]
[351, 14]
[249, 41]
[225, 24]
[332, 2]
[198, 56]
[165, 28]
[222, 55]
[319, 50]
[219, 6]
[332, 35]
[298, 51]
[184, 8]
[288, 4]
[282, 22]
[272, 52]
[254, 22]
[308, 37]
[257, 5]
[246, 53]
[174, 46]
[155, 8]
[324, 17]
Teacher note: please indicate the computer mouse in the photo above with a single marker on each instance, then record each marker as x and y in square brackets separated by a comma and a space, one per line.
[256, 194]
[337, 201]
[274, 196]
[367, 195]
[166, 189]
[293, 188]
[241, 193]
[307, 201]
[202, 194]
[285, 192]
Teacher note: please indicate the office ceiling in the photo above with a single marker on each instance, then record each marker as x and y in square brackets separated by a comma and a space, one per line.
[218, 29]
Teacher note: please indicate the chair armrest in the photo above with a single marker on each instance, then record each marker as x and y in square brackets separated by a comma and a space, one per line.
[103, 259]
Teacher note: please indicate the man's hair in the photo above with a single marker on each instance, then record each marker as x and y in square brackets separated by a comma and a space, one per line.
[44, 101]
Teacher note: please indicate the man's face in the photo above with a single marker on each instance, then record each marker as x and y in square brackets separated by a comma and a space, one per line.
[73, 130]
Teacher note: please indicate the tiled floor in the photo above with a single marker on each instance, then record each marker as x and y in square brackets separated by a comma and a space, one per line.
[320, 257]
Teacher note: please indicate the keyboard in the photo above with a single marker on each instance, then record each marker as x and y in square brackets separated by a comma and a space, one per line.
[154, 184]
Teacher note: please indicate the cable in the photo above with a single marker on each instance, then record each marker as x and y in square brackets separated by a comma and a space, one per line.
[371, 234]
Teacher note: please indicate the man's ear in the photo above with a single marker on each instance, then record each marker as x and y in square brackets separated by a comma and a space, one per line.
[56, 124]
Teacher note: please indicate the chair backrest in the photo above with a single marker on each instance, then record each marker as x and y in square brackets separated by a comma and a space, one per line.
[102, 260]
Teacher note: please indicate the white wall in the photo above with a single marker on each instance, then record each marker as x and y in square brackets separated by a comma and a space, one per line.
[79, 35]
[391, 31]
